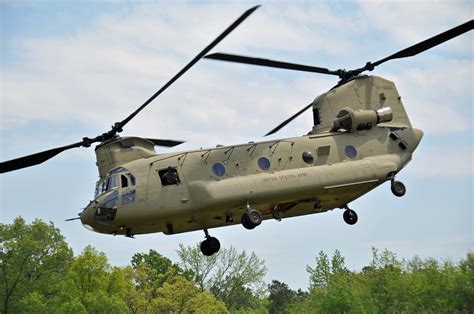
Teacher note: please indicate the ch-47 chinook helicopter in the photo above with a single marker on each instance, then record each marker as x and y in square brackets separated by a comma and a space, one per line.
[361, 137]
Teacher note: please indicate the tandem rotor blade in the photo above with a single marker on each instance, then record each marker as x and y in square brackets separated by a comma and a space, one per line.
[284, 123]
[35, 159]
[346, 75]
[165, 143]
[41, 157]
[429, 43]
[268, 63]
[246, 14]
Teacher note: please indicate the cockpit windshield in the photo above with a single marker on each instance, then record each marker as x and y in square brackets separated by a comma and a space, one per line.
[112, 180]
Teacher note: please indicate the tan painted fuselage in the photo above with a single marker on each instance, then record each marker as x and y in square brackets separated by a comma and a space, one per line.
[323, 170]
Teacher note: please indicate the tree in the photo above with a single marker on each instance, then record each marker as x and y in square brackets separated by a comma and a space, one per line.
[182, 296]
[162, 267]
[156, 285]
[92, 282]
[234, 278]
[280, 296]
[464, 285]
[319, 276]
[33, 259]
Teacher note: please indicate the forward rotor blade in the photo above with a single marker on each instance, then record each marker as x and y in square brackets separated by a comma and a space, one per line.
[165, 143]
[268, 63]
[429, 43]
[34, 159]
[284, 123]
[246, 14]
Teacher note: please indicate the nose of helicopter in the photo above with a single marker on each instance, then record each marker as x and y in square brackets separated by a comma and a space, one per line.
[87, 216]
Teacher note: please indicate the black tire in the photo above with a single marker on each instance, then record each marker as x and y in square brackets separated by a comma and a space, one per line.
[254, 217]
[210, 246]
[206, 248]
[350, 217]
[246, 223]
[214, 245]
[398, 188]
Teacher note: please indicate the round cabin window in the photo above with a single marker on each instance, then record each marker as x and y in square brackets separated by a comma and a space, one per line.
[264, 163]
[351, 152]
[218, 169]
[308, 157]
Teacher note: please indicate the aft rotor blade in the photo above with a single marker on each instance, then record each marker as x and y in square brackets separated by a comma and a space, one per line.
[165, 143]
[120, 125]
[34, 159]
[429, 43]
[284, 123]
[268, 63]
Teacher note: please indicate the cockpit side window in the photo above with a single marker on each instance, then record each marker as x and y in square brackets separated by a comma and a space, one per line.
[124, 181]
[113, 179]
[131, 177]
[127, 180]
[113, 184]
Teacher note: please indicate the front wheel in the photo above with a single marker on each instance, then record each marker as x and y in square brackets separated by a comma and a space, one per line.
[350, 216]
[210, 246]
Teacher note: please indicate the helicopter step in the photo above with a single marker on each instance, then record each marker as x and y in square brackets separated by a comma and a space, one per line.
[211, 245]
[251, 218]
[350, 216]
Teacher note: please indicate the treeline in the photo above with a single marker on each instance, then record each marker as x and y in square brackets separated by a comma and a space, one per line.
[40, 274]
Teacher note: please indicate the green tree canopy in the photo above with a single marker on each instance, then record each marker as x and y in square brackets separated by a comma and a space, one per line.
[91, 283]
[234, 278]
[280, 296]
[33, 260]
[388, 284]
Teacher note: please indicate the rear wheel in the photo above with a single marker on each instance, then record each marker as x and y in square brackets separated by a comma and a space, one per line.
[398, 188]
[251, 219]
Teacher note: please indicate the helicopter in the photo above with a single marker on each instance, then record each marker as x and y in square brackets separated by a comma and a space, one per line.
[361, 138]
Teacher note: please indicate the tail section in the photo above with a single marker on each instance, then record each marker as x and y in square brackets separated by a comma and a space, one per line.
[361, 93]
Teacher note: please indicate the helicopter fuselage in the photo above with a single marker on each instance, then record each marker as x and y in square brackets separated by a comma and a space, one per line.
[362, 138]
[281, 178]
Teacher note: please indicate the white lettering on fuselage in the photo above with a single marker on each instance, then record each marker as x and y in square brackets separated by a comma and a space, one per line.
[285, 177]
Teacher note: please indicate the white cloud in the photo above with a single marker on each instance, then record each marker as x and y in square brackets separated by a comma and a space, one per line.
[101, 73]
[437, 94]
[413, 21]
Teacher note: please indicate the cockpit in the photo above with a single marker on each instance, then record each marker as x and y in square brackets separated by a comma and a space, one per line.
[116, 188]
[112, 180]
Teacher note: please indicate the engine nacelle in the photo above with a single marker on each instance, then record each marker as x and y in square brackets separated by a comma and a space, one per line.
[359, 120]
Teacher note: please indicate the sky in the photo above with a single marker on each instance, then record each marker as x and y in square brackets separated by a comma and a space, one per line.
[71, 69]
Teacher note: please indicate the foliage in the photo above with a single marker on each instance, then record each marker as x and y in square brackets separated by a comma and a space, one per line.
[94, 284]
[39, 274]
[234, 278]
[33, 259]
[389, 285]
[160, 263]
[280, 296]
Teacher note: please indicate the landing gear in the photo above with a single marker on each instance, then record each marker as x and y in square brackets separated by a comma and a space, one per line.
[398, 188]
[210, 246]
[251, 218]
[350, 216]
